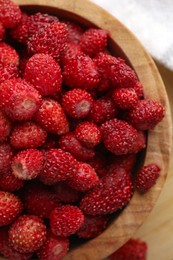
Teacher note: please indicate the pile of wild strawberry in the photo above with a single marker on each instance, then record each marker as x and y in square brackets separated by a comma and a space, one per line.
[72, 119]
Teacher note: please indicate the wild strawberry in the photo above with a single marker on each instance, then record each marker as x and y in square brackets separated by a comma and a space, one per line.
[39, 21]
[52, 117]
[113, 192]
[147, 177]
[7, 250]
[74, 31]
[77, 103]
[40, 202]
[27, 164]
[121, 138]
[27, 234]
[98, 163]
[55, 248]
[21, 32]
[138, 89]
[44, 73]
[5, 127]
[88, 134]
[81, 72]
[125, 98]
[2, 31]
[19, 99]
[10, 208]
[146, 114]
[84, 177]
[104, 62]
[10, 13]
[49, 40]
[8, 54]
[66, 220]
[27, 135]
[69, 143]
[6, 154]
[93, 41]
[122, 75]
[59, 165]
[8, 182]
[126, 162]
[133, 249]
[9, 71]
[65, 193]
[102, 110]
[92, 226]
[72, 50]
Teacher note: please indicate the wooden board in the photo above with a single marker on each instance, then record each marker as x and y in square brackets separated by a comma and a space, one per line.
[159, 140]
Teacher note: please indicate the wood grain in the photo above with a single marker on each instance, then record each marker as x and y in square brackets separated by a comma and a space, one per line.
[159, 140]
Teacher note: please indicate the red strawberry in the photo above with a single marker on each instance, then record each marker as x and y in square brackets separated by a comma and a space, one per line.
[9, 71]
[66, 220]
[103, 109]
[81, 72]
[59, 166]
[72, 50]
[84, 177]
[40, 202]
[27, 234]
[88, 134]
[147, 177]
[122, 75]
[65, 193]
[27, 135]
[113, 192]
[125, 98]
[98, 163]
[6, 154]
[39, 21]
[27, 164]
[93, 41]
[2, 31]
[121, 138]
[8, 54]
[49, 40]
[8, 182]
[10, 14]
[92, 226]
[74, 31]
[5, 127]
[126, 162]
[104, 62]
[77, 103]
[134, 249]
[19, 99]
[70, 144]
[7, 250]
[146, 114]
[21, 32]
[44, 73]
[10, 208]
[55, 248]
[52, 118]
[138, 89]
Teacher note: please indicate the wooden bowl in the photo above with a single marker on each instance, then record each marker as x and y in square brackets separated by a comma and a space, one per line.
[158, 149]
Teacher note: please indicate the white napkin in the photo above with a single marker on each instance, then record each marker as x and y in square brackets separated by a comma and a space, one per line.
[150, 20]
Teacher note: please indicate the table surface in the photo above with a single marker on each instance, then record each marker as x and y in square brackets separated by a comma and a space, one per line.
[157, 230]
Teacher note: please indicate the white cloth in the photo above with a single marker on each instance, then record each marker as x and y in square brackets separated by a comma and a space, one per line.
[150, 20]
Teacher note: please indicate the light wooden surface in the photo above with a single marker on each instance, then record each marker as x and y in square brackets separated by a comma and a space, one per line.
[157, 230]
[159, 140]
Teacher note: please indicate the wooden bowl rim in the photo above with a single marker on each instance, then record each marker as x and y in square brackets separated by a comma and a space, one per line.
[159, 139]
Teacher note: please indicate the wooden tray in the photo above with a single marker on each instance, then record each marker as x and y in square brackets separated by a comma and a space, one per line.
[158, 150]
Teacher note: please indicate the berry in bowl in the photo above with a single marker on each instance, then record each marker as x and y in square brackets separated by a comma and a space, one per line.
[85, 131]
